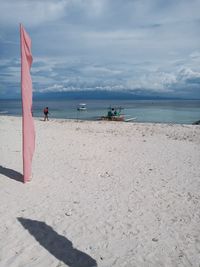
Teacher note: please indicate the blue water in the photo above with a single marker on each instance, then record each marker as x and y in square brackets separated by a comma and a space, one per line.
[162, 111]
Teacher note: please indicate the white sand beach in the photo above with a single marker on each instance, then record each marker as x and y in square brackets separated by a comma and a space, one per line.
[102, 194]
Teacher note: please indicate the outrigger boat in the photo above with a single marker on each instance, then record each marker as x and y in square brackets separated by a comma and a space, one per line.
[82, 107]
[114, 114]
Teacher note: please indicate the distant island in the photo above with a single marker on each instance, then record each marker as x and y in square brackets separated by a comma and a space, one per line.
[103, 94]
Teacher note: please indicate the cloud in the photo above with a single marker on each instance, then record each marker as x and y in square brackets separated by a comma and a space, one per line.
[31, 13]
[188, 78]
[10, 71]
[103, 44]
[60, 75]
[116, 14]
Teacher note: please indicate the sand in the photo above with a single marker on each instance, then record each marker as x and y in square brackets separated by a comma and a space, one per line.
[102, 194]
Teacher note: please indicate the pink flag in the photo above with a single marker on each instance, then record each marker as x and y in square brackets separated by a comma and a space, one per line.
[27, 119]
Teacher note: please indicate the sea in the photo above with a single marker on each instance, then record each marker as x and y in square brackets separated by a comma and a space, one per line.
[145, 111]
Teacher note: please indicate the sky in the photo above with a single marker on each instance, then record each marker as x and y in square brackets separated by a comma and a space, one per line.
[139, 46]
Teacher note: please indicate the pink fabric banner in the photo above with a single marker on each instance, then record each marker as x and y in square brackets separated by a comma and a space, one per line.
[28, 129]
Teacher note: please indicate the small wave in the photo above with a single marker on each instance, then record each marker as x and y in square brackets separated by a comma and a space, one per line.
[4, 112]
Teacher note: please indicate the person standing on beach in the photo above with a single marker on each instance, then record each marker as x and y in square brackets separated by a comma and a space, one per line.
[46, 113]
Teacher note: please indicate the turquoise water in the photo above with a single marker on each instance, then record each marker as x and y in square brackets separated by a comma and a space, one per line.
[162, 111]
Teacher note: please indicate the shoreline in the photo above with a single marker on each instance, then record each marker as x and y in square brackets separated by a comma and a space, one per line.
[40, 118]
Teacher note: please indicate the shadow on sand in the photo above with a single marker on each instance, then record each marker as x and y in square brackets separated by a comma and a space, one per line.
[56, 244]
[11, 174]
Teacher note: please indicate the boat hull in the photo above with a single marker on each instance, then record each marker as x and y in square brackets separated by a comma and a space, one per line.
[81, 109]
[112, 118]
